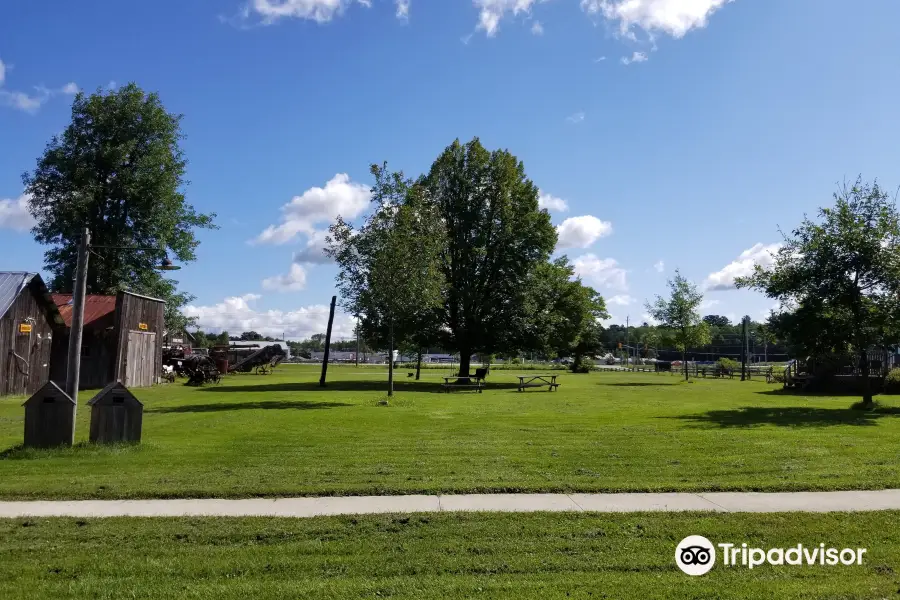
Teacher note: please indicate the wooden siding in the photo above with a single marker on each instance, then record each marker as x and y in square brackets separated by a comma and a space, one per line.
[97, 354]
[18, 376]
[140, 315]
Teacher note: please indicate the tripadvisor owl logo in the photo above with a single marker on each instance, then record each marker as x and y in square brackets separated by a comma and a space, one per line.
[695, 555]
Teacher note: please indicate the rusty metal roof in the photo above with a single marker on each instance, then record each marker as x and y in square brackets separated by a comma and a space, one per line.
[98, 310]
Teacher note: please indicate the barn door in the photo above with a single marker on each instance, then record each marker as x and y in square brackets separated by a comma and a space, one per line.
[140, 365]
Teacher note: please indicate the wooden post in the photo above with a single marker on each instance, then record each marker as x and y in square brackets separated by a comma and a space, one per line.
[327, 342]
[743, 349]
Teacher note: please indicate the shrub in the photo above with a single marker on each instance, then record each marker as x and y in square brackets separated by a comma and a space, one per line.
[582, 365]
[728, 364]
[892, 381]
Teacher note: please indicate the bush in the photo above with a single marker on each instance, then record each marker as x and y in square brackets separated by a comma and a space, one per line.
[728, 364]
[892, 381]
[582, 365]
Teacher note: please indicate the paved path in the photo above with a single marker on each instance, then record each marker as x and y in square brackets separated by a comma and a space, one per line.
[312, 507]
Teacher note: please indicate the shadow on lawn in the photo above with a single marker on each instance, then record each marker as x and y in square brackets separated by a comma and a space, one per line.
[273, 405]
[346, 386]
[634, 384]
[790, 416]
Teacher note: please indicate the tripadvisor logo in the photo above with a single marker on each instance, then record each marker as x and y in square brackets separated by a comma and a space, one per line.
[696, 555]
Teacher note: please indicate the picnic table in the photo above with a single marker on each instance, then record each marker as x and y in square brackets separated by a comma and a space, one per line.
[548, 381]
[455, 382]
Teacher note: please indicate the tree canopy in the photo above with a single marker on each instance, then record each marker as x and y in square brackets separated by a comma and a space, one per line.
[679, 313]
[839, 278]
[117, 169]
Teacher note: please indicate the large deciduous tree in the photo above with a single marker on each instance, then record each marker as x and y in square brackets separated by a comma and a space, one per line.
[117, 169]
[389, 269]
[679, 313]
[841, 276]
[495, 237]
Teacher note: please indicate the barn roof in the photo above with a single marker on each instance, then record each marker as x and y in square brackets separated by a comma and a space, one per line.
[13, 282]
[99, 311]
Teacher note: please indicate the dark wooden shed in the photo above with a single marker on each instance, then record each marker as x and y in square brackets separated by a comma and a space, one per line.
[49, 418]
[116, 415]
[121, 341]
[28, 318]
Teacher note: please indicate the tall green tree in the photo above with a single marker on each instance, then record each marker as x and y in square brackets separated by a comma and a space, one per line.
[842, 275]
[680, 314]
[119, 170]
[389, 269]
[495, 237]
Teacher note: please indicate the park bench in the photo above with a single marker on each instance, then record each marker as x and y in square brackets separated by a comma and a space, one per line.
[530, 381]
[474, 382]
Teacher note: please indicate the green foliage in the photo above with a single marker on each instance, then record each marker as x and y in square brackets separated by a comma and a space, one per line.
[717, 320]
[679, 314]
[728, 364]
[841, 278]
[892, 381]
[117, 169]
[582, 365]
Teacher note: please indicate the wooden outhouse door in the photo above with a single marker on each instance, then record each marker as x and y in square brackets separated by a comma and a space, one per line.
[140, 365]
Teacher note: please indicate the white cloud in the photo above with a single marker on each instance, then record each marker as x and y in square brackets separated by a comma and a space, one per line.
[648, 318]
[602, 273]
[759, 254]
[660, 267]
[551, 202]
[70, 88]
[314, 253]
[537, 28]
[620, 300]
[601, 59]
[581, 232]
[708, 304]
[673, 17]
[22, 101]
[293, 281]
[2, 72]
[340, 196]
[637, 57]
[237, 314]
[14, 214]
[403, 9]
[491, 11]
[577, 117]
[320, 11]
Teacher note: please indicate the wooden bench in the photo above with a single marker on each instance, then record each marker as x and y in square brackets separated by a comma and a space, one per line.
[455, 383]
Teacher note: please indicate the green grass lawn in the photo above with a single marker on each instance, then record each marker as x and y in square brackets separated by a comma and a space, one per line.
[436, 556]
[282, 435]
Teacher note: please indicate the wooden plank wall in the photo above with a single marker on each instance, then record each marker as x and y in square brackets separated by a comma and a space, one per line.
[15, 376]
[131, 311]
[96, 366]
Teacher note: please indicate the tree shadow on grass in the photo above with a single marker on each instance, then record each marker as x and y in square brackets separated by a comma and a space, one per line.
[790, 416]
[809, 393]
[348, 386]
[636, 384]
[226, 406]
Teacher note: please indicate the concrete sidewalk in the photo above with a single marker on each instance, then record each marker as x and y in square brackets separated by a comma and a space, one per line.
[353, 505]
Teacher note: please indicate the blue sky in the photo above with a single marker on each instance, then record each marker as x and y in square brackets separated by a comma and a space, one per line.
[676, 133]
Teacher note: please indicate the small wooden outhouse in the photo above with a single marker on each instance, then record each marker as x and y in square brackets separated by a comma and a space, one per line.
[116, 415]
[49, 418]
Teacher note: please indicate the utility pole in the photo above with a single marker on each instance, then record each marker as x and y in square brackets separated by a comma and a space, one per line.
[744, 349]
[626, 342]
[327, 343]
[73, 365]
[357, 341]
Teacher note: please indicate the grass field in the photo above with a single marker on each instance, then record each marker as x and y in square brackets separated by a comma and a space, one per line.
[436, 556]
[280, 434]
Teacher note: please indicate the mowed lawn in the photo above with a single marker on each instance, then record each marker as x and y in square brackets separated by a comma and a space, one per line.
[437, 556]
[280, 434]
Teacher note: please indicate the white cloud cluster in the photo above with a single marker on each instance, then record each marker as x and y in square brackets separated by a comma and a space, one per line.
[403, 9]
[340, 196]
[492, 11]
[601, 273]
[314, 252]
[637, 57]
[581, 232]
[660, 266]
[14, 214]
[30, 103]
[320, 11]
[673, 17]
[551, 202]
[759, 254]
[620, 300]
[293, 281]
[237, 314]
[576, 117]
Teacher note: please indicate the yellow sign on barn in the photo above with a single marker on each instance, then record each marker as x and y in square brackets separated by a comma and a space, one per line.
[24, 328]
[143, 326]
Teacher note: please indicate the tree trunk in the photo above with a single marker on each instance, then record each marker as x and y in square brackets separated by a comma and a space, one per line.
[866, 380]
[419, 364]
[391, 362]
[465, 362]
[684, 364]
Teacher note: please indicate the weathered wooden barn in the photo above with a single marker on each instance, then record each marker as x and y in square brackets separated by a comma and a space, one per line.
[28, 319]
[121, 341]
